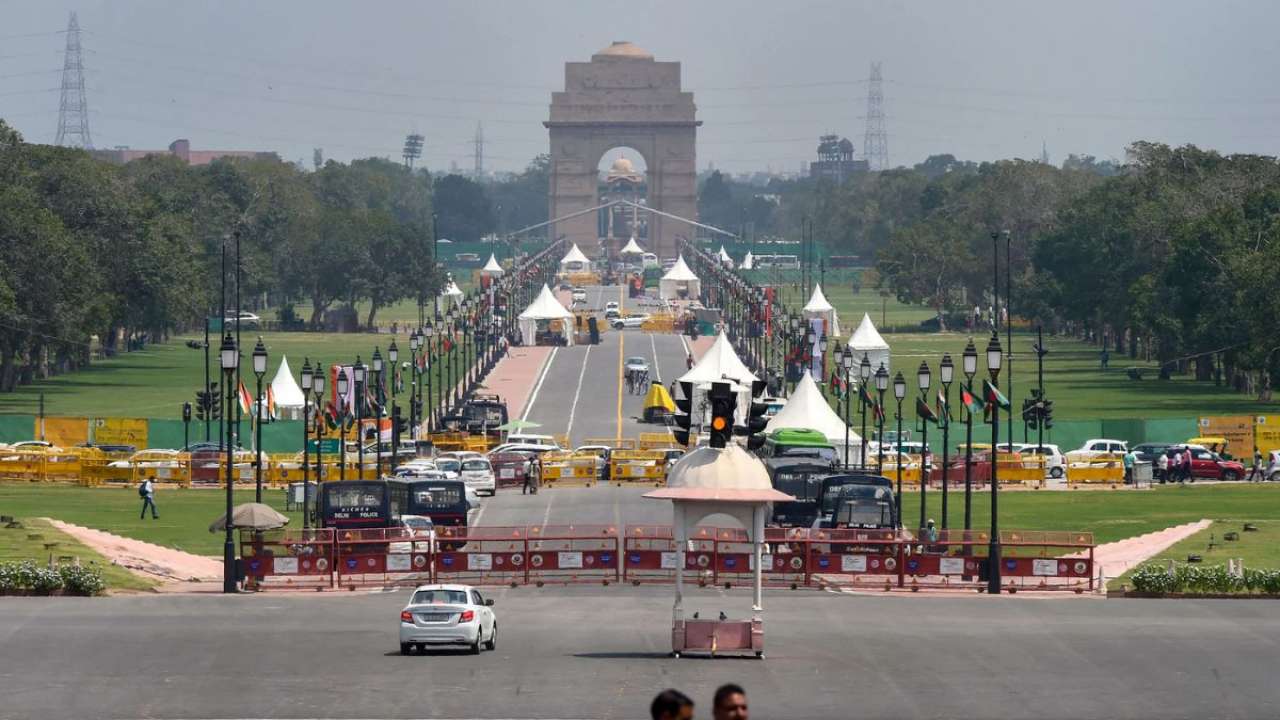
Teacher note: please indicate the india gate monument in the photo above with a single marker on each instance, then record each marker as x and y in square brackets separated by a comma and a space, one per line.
[623, 98]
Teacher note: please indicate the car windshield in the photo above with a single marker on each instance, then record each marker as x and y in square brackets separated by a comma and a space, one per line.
[438, 497]
[864, 506]
[801, 485]
[475, 465]
[448, 464]
[485, 412]
[821, 452]
[636, 361]
[418, 523]
[439, 597]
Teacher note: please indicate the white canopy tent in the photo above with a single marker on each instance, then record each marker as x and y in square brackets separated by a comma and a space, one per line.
[818, 307]
[575, 260]
[287, 394]
[492, 267]
[748, 262]
[807, 409]
[453, 293]
[545, 307]
[678, 278]
[724, 258]
[632, 248]
[866, 340]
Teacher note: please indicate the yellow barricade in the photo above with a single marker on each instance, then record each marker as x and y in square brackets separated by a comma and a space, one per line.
[1027, 469]
[653, 441]
[659, 322]
[562, 441]
[21, 465]
[449, 441]
[568, 469]
[910, 472]
[1107, 471]
[477, 443]
[647, 467]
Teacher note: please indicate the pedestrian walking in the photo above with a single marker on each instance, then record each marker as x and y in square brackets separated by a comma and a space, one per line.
[528, 477]
[1256, 470]
[671, 704]
[147, 491]
[1186, 465]
[1175, 465]
[730, 703]
[1128, 467]
[1104, 358]
[688, 361]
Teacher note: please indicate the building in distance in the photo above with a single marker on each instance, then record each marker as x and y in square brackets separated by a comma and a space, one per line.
[181, 149]
[835, 160]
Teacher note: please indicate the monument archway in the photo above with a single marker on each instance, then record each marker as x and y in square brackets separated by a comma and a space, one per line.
[623, 97]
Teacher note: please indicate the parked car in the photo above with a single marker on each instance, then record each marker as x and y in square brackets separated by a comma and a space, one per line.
[1055, 463]
[448, 615]
[579, 295]
[1209, 464]
[1273, 466]
[630, 321]
[1099, 446]
[477, 473]
[247, 319]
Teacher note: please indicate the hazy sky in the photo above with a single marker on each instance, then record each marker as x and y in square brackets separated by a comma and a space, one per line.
[982, 80]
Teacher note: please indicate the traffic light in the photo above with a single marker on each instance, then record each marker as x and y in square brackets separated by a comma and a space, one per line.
[684, 418]
[215, 402]
[756, 421]
[202, 402]
[186, 412]
[1030, 410]
[398, 422]
[723, 404]
[1046, 413]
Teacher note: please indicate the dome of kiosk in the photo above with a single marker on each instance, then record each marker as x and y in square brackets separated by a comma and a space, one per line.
[727, 474]
[623, 50]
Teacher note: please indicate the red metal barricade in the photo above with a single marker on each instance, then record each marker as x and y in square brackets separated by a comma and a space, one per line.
[783, 557]
[482, 555]
[278, 559]
[855, 556]
[508, 468]
[649, 555]
[573, 553]
[382, 557]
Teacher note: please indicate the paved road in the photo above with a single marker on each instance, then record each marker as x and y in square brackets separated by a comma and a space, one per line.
[600, 652]
[583, 392]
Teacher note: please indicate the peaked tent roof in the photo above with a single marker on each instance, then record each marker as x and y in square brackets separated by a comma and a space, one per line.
[720, 364]
[748, 262]
[724, 255]
[632, 248]
[574, 255]
[818, 301]
[680, 272]
[546, 307]
[492, 267]
[284, 387]
[866, 337]
[808, 409]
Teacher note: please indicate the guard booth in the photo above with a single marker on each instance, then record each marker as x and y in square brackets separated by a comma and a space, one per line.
[706, 482]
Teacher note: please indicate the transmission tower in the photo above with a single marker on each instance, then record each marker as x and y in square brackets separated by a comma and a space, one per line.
[73, 111]
[412, 149]
[875, 144]
[479, 141]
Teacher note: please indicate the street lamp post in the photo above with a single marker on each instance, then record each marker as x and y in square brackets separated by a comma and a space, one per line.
[899, 392]
[229, 356]
[186, 426]
[344, 384]
[393, 354]
[429, 331]
[317, 385]
[970, 364]
[377, 420]
[358, 375]
[864, 373]
[413, 384]
[994, 357]
[259, 369]
[925, 380]
[882, 384]
[307, 384]
[947, 370]
[846, 362]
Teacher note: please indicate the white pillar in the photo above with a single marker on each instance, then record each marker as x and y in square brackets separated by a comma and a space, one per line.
[681, 539]
[757, 535]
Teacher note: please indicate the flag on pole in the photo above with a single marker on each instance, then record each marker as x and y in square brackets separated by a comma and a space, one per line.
[837, 385]
[246, 400]
[271, 403]
[331, 415]
[865, 394]
[925, 412]
[972, 402]
[993, 395]
[944, 407]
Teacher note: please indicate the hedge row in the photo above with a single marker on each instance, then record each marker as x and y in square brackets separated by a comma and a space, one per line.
[1152, 578]
[27, 576]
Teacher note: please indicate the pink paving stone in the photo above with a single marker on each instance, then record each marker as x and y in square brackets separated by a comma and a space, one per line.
[146, 559]
[514, 376]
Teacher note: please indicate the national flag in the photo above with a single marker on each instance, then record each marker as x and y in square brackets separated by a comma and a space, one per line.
[925, 412]
[972, 402]
[837, 385]
[943, 407]
[271, 403]
[331, 415]
[879, 411]
[993, 395]
[246, 400]
[865, 394]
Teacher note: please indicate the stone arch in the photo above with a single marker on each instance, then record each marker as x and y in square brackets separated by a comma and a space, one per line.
[623, 98]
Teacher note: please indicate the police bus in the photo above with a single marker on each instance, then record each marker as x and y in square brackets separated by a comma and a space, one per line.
[354, 504]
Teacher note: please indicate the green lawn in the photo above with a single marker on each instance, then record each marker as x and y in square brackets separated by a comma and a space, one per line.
[29, 543]
[154, 382]
[1259, 549]
[1110, 515]
[184, 521]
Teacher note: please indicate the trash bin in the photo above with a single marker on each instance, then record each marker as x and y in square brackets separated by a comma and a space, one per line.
[1143, 472]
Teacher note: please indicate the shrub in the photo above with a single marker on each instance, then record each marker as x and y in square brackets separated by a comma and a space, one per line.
[72, 579]
[80, 580]
[1203, 579]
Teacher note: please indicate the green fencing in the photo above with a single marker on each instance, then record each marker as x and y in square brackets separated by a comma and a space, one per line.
[280, 436]
[14, 428]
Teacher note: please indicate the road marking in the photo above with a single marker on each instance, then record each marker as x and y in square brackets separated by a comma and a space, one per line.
[480, 513]
[546, 516]
[568, 431]
[533, 397]
[621, 344]
[657, 369]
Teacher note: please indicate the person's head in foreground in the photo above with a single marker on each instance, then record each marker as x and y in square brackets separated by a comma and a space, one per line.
[671, 705]
[730, 703]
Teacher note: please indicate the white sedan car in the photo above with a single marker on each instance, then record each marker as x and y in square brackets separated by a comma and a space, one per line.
[630, 321]
[478, 475]
[448, 615]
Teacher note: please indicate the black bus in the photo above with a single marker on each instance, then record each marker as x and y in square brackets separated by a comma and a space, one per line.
[802, 479]
[444, 501]
[856, 500]
[353, 504]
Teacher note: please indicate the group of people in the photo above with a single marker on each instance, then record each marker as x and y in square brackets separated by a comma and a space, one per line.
[637, 381]
[729, 703]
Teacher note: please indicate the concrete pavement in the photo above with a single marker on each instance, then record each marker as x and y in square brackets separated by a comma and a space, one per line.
[600, 652]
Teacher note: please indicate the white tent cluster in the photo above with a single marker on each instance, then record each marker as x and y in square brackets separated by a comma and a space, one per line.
[724, 258]
[287, 394]
[720, 364]
[575, 260]
[818, 307]
[678, 278]
[866, 340]
[748, 262]
[492, 268]
[807, 409]
[632, 247]
[545, 307]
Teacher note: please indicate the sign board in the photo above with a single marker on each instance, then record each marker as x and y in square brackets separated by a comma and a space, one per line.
[120, 431]
[480, 561]
[1044, 567]
[853, 563]
[1266, 433]
[668, 561]
[1237, 429]
[398, 563]
[568, 560]
[327, 445]
[215, 325]
[70, 431]
[951, 566]
[284, 565]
